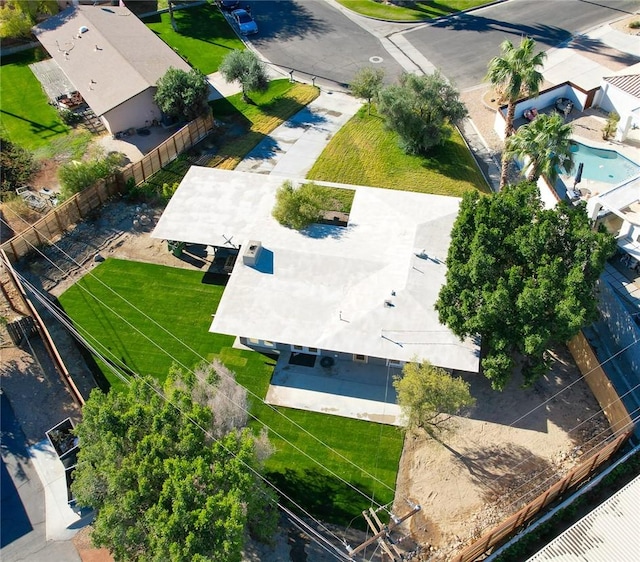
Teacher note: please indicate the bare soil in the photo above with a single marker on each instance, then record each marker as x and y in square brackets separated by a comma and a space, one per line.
[511, 446]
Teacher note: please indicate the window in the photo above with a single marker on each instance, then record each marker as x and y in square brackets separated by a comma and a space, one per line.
[253, 341]
[359, 358]
[394, 363]
[268, 343]
[297, 348]
[313, 350]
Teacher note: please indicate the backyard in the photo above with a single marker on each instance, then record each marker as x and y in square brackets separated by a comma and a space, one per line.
[169, 324]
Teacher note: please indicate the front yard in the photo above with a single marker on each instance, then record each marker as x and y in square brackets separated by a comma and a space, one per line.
[169, 324]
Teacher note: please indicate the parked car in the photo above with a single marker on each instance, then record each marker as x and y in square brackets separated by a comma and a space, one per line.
[229, 5]
[245, 22]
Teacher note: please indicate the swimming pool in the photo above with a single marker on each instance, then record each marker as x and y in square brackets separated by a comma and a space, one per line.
[601, 164]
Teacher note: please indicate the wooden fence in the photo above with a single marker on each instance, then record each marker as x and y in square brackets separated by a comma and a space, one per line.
[599, 383]
[61, 368]
[57, 221]
[509, 526]
[169, 150]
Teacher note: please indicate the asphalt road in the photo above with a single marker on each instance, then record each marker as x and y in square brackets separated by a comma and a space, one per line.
[22, 525]
[315, 39]
[462, 46]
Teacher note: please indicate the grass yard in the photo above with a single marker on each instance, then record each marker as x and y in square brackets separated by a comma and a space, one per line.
[178, 300]
[25, 115]
[418, 11]
[364, 152]
[257, 119]
[203, 38]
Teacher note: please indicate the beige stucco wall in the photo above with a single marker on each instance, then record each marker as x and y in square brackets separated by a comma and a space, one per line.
[138, 111]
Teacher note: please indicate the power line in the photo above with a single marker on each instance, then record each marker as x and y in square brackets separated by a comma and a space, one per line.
[164, 350]
[113, 367]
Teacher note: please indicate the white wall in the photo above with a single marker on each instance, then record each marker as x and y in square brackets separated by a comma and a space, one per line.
[138, 111]
[545, 99]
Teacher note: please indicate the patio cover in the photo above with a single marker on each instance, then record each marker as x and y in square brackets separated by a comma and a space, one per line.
[368, 288]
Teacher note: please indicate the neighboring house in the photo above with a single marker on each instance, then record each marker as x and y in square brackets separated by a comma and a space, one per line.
[112, 59]
[619, 210]
[608, 533]
[364, 291]
[621, 93]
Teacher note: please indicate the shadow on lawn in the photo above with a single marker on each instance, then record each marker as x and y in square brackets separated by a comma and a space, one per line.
[323, 496]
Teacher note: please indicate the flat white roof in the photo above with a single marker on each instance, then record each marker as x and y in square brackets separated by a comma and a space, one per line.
[326, 287]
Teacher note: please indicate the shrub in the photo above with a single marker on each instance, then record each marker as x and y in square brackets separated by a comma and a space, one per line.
[75, 176]
[635, 24]
[297, 207]
[16, 166]
[70, 117]
[611, 125]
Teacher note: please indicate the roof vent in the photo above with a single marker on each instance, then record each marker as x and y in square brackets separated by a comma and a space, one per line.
[83, 29]
[251, 253]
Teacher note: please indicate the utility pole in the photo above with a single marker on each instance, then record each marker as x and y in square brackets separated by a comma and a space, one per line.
[382, 533]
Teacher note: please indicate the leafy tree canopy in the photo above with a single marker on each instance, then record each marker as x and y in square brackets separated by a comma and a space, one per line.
[246, 68]
[546, 143]
[421, 110]
[16, 166]
[17, 17]
[182, 94]
[297, 207]
[162, 489]
[520, 276]
[428, 396]
[366, 83]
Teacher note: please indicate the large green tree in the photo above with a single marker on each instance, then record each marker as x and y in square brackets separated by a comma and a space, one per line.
[546, 143]
[161, 487]
[17, 17]
[422, 110]
[16, 167]
[428, 396]
[366, 84]
[246, 68]
[514, 75]
[521, 277]
[182, 94]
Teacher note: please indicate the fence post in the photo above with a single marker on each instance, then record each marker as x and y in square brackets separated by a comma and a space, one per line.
[159, 156]
[75, 200]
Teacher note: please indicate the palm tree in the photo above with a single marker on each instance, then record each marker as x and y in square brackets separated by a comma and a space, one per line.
[515, 74]
[546, 142]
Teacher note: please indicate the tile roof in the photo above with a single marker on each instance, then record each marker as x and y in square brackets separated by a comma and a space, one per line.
[629, 83]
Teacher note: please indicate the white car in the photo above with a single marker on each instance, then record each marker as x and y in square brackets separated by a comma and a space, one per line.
[245, 22]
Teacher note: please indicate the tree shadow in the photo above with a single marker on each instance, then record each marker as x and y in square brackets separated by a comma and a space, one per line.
[561, 398]
[322, 495]
[541, 33]
[584, 43]
[502, 470]
[285, 20]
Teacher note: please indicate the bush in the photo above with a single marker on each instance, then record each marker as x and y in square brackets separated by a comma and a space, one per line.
[635, 24]
[16, 167]
[75, 176]
[297, 207]
[611, 125]
[70, 117]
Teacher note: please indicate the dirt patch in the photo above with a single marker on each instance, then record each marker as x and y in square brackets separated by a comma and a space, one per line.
[622, 25]
[511, 447]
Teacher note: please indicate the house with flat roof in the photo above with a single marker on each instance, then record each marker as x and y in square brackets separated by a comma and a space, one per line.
[112, 59]
[364, 291]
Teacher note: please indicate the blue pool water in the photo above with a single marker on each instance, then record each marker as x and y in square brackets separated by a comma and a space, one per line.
[602, 165]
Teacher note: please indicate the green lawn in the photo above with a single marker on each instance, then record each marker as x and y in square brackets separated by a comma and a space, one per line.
[418, 12]
[25, 114]
[203, 38]
[181, 302]
[364, 152]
